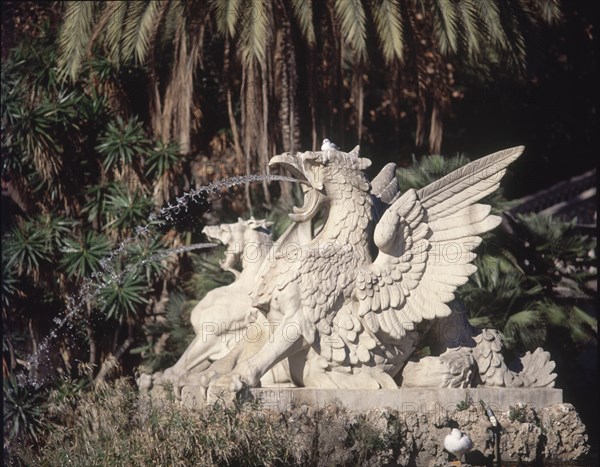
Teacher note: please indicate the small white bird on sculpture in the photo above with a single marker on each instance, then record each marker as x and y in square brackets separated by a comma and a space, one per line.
[328, 145]
[457, 443]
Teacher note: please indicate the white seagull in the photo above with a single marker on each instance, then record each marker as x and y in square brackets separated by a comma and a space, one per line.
[457, 444]
[328, 145]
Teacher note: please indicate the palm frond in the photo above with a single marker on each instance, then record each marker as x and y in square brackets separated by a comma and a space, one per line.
[25, 249]
[122, 298]
[351, 16]
[114, 29]
[390, 29]
[428, 169]
[527, 328]
[127, 208]
[473, 30]
[156, 25]
[9, 286]
[158, 352]
[226, 15]
[74, 36]
[173, 18]
[303, 11]
[514, 26]
[446, 26]
[23, 413]
[557, 238]
[123, 143]
[162, 159]
[207, 273]
[255, 32]
[131, 28]
[101, 24]
[145, 32]
[489, 15]
[177, 311]
[150, 258]
[55, 228]
[548, 10]
[583, 326]
[82, 256]
[33, 128]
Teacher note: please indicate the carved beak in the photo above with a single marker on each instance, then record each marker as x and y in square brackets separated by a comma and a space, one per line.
[291, 163]
[313, 198]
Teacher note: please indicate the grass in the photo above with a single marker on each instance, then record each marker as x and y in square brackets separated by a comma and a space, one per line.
[112, 425]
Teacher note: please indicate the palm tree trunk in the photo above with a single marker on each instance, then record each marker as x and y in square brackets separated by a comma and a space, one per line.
[112, 360]
[247, 159]
[11, 189]
[265, 146]
[184, 97]
[92, 350]
[312, 99]
[154, 93]
[358, 98]
[436, 130]
[232, 123]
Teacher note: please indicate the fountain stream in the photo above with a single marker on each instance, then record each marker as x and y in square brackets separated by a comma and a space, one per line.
[93, 285]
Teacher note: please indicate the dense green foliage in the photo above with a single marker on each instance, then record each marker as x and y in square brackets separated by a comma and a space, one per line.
[80, 279]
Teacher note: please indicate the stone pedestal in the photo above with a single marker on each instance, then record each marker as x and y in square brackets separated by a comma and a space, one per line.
[404, 400]
[361, 400]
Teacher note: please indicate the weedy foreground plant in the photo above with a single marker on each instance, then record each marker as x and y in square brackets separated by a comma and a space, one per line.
[110, 424]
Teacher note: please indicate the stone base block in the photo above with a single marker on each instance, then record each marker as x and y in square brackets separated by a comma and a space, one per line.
[405, 400]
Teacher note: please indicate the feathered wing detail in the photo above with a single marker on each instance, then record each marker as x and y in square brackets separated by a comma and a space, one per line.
[426, 240]
[385, 185]
[466, 185]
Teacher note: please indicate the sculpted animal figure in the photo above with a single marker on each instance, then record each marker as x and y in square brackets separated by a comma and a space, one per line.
[352, 305]
[222, 317]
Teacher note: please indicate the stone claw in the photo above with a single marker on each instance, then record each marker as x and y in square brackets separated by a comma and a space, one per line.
[236, 384]
[207, 378]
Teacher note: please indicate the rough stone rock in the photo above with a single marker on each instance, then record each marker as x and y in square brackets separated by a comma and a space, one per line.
[566, 438]
[521, 434]
[335, 436]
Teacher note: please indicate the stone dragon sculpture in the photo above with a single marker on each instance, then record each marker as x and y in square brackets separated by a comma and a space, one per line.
[353, 302]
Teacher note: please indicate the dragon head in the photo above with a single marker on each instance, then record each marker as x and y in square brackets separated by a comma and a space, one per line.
[326, 176]
[236, 236]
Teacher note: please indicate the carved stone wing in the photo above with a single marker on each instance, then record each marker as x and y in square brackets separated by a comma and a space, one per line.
[385, 185]
[426, 240]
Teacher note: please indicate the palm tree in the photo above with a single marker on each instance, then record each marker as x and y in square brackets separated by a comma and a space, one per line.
[421, 43]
